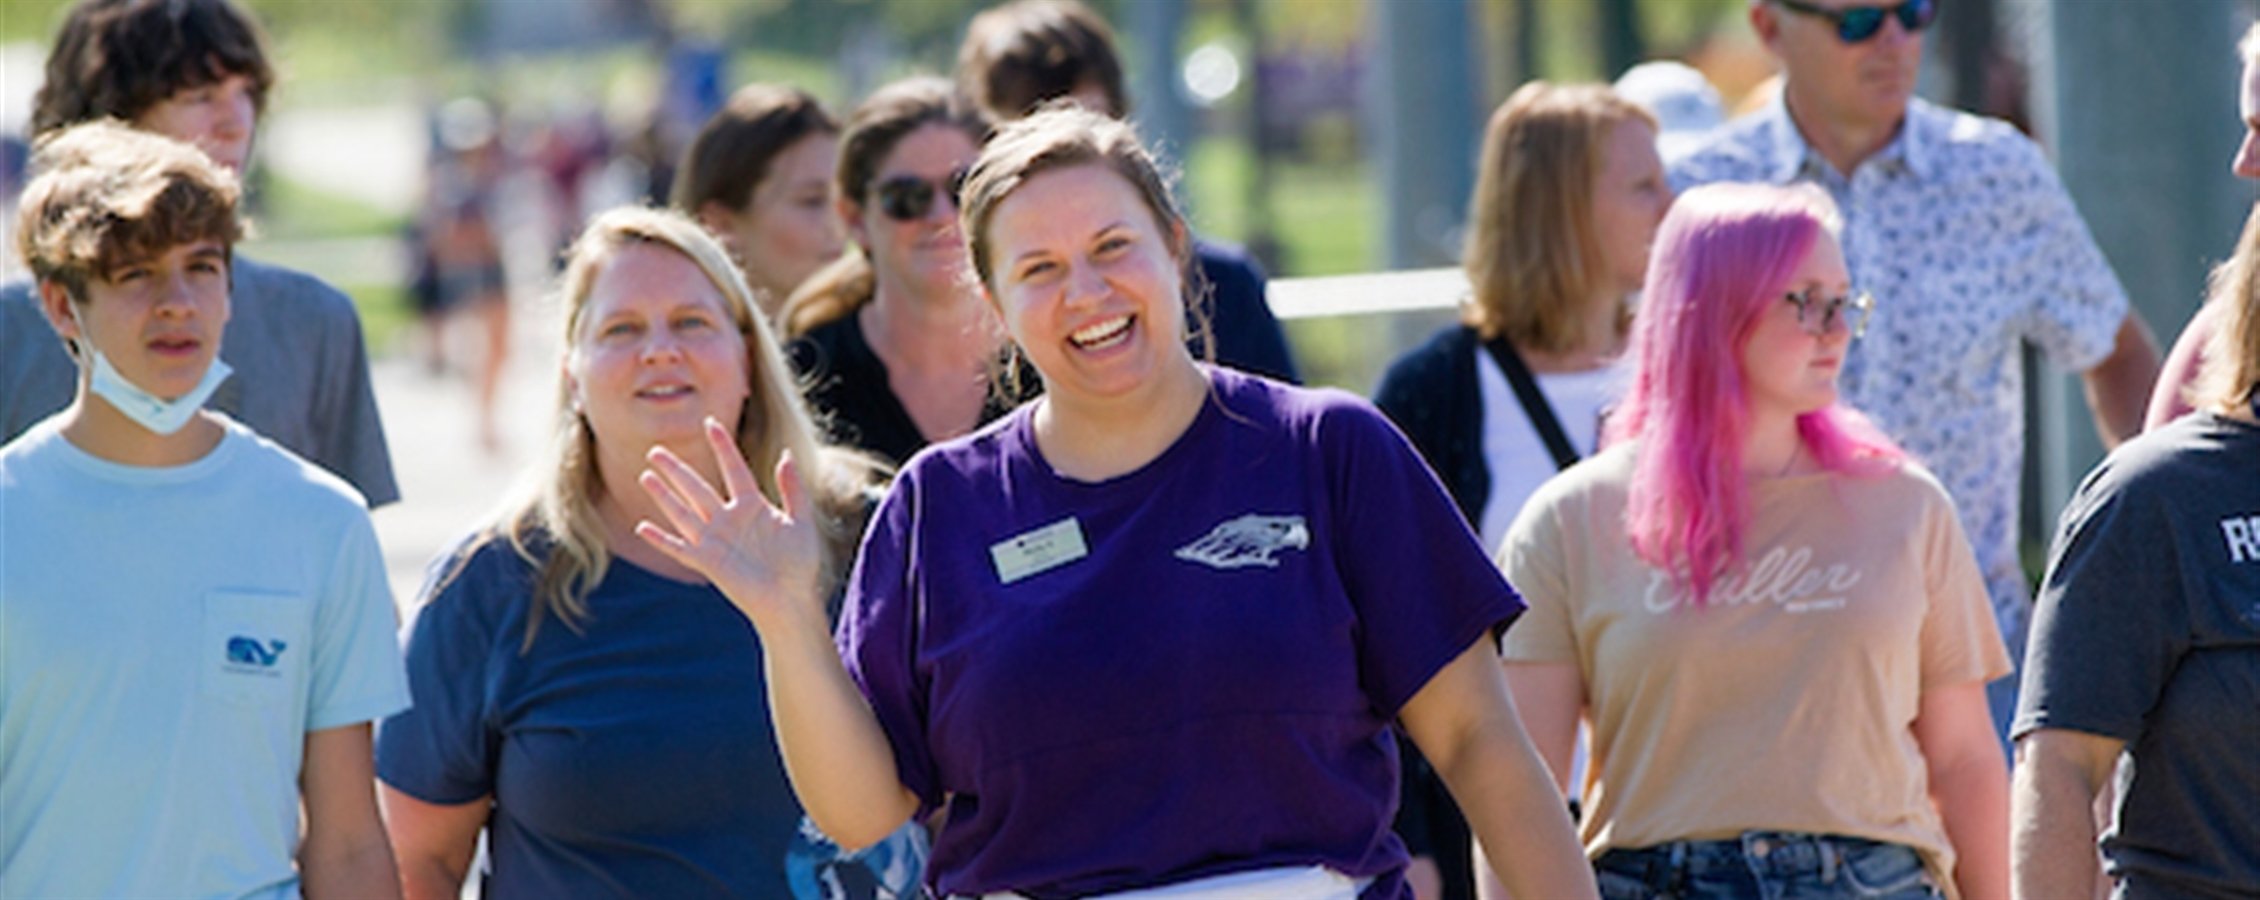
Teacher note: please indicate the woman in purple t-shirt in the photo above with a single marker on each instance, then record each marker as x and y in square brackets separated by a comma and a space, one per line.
[1151, 630]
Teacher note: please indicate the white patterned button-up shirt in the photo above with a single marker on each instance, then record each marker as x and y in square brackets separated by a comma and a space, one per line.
[1966, 238]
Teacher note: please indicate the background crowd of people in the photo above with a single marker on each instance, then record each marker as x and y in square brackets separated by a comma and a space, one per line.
[925, 508]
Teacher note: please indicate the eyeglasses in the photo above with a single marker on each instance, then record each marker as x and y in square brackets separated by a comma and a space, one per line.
[1818, 316]
[907, 198]
[1858, 23]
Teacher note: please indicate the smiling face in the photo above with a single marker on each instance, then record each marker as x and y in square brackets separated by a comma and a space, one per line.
[655, 353]
[157, 320]
[1088, 284]
[926, 254]
[1786, 371]
[218, 117]
[1866, 84]
[787, 229]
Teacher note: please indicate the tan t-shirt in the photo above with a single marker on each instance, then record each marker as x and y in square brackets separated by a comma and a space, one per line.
[1787, 702]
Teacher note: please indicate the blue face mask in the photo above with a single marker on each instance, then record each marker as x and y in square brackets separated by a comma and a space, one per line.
[148, 410]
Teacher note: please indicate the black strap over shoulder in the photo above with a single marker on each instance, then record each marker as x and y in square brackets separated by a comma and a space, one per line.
[1534, 403]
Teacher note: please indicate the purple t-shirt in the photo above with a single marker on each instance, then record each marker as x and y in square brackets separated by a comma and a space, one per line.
[1188, 670]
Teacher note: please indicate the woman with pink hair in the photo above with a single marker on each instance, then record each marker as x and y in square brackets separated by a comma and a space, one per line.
[1768, 614]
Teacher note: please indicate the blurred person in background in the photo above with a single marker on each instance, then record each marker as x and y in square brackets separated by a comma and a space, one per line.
[892, 339]
[759, 176]
[1766, 611]
[2170, 399]
[2145, 658]
[1960, 224]
[1151, 630]
[1684, 103]
[195, 629]
[593, 704]
[459, 251]
[1020, 55]
[1568, 192]
[197, 71]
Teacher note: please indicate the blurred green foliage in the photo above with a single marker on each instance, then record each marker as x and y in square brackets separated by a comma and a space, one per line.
[1321, 206]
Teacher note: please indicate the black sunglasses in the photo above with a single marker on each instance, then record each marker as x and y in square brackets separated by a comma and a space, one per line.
[908, 198]
[1858, 23]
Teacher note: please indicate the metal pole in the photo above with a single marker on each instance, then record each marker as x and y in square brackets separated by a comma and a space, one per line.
[2141, 112]
[1421, 105]
[1157, 105]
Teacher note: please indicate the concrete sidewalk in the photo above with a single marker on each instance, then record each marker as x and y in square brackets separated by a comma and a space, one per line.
[448, 484]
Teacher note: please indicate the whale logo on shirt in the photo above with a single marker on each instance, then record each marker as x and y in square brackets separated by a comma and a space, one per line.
[245, 651]
[1250, 540]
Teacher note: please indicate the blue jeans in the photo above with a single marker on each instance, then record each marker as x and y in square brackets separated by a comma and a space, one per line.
[1766, 865]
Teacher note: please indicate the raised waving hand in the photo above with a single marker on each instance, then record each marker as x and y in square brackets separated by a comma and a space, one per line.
[769, 561]
[766, 559]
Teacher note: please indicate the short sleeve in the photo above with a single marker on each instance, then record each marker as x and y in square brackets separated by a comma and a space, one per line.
[1531, 557]
[357, 669]
[351, 433]
[2110, 626]
[1961, 642]
[2076, 301]
[37, 376]
[878, 638]
[442, 749]
[1416, 576]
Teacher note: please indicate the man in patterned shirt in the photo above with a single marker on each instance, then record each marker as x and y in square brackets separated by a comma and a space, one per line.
[1965, 236]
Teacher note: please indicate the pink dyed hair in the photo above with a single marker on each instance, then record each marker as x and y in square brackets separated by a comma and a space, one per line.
[1722, 258]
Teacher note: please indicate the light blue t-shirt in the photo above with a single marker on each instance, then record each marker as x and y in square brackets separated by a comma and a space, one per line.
[168, 637]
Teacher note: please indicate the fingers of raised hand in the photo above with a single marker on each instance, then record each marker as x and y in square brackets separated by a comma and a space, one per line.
[737, 477]
[791, 488]
[686, 521]
[669, 544]
[685, 484]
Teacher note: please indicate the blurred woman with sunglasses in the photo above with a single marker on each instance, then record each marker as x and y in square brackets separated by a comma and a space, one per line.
[1768, 613]
[893, 339]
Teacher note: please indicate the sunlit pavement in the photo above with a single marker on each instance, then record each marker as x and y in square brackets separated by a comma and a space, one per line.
[448, 484]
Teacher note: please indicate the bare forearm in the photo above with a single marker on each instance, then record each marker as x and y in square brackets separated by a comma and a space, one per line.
[837, 756]
[1516, 812]
[2118, 388]
[2052, 835]
[1973, 799]
[431, 880]
[361, 872]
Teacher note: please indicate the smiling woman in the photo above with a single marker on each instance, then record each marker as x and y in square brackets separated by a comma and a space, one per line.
[558, 661]
[1206, 591]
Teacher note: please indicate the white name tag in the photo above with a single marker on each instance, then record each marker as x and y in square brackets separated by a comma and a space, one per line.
[1040, 550]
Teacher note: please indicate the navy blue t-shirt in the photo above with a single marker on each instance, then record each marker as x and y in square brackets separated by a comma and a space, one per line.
[633, 758]
[1248, 336]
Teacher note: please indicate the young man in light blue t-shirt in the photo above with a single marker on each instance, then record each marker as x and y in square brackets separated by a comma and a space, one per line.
[195, 630]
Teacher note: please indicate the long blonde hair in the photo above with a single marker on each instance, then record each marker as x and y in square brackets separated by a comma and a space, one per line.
[552, 523]
[2231, 375]
[1532, 257]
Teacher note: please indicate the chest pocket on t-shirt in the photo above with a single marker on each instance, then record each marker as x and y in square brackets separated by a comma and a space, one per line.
[253, 647]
